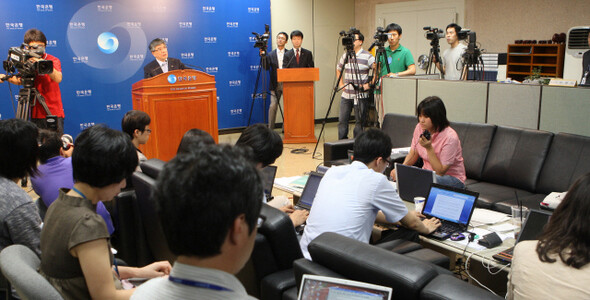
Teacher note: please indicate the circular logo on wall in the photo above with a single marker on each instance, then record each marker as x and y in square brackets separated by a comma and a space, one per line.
[113, 49]
[107, 42]
[172, 79]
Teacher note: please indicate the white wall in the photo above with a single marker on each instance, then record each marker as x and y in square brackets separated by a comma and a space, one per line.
[320, 21]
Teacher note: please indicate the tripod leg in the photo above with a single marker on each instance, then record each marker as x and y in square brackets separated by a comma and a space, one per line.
[255, 90]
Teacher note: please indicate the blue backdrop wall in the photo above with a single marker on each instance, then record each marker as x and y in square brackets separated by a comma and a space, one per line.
[97, 77]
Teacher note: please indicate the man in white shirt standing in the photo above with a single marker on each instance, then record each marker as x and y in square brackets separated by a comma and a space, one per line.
[274, 61]
[350, 198]
[452, 62]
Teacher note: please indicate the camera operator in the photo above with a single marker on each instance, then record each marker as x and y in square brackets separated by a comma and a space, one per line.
[275, 62]
[452, 64]
[356, 79]
[47, 85]
[399, 58]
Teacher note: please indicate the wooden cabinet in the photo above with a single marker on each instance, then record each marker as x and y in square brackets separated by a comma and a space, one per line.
[523, 58]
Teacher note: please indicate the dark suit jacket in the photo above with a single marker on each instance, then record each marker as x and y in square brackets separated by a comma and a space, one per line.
[272, 64]
[305, 59]
[153, 68]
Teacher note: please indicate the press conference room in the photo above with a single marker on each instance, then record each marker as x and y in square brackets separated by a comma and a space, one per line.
[302, 96]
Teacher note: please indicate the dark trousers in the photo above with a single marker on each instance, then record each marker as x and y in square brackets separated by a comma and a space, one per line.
[346, 106]
[400, 233]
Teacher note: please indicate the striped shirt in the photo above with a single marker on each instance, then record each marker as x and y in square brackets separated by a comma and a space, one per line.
[364, 61]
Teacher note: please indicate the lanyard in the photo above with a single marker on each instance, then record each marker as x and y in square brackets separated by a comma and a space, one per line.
[198, 284]
[78, 191]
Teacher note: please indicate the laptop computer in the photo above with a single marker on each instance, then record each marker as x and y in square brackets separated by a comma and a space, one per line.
[268, 179]
[531, 229]
[452, 206]
[309, 191]
[325, 288]
[413, 182]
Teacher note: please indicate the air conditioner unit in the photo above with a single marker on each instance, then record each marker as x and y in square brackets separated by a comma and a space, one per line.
[576, 45]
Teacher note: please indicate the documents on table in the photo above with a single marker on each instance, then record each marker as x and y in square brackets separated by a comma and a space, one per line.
[293, 184]
[482, 216]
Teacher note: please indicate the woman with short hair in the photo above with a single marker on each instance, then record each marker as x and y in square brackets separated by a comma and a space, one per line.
[437, 144]
[76, 254]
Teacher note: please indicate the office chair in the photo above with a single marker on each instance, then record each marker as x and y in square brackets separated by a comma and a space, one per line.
[19, 265]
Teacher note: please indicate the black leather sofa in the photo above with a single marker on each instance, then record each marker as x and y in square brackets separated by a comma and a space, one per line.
[500, 160]
[337, 256]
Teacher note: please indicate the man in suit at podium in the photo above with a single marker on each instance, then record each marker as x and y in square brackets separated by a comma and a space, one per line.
[298, 57]
[162, 63]
[274, 61]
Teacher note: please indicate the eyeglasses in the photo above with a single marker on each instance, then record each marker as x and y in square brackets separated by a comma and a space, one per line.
[387, 161]
[260, 221]
[161, 49]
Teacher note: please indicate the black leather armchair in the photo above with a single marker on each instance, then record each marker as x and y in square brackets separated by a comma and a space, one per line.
[337, 256]
[275, 249]
[144, 183]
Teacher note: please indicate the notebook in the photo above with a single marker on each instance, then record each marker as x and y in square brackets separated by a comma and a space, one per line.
[452, 206]
[325, 288]
[413, 182]
[531, 229]
[268, 179]
[309, 191]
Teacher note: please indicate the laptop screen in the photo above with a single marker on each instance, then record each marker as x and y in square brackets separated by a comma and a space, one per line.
[450, 204]
[533, 225]
[311, 188]
[268, 178]
[325, 288]
[413, 182]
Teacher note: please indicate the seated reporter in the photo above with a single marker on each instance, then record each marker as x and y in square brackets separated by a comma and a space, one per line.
[209, 202]
[194, 139]
[267, 147]
[18, 158]
[437, 144]
[76, 257]
[55, 172]
[557, 265]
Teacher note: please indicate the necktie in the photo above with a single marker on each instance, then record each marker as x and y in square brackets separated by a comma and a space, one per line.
[297, 56]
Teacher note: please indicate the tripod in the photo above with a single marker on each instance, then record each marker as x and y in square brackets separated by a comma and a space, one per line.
[434, 53]
[380, 58]
[473, 60]
[264, 90]
[28, 96]
[350, 56]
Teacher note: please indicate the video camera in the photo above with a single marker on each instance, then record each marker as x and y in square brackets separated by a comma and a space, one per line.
[381, 36]
[262, 39]
[472, 53]
[19, 58]
[463, 34]
[433, 33]
[348, 37]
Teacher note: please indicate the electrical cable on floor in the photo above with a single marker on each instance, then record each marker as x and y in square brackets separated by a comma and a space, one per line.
[299, 150]
[472, 278]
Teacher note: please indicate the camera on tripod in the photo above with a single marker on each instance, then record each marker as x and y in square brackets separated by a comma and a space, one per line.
[433, 34]
[380, 38]
[348, 37]
[19, 58]
[262, 39]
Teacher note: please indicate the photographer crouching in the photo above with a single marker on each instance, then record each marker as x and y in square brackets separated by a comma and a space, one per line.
[46, 82]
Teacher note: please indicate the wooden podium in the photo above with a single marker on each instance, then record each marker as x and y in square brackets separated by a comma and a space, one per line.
[298, 102]
[176, 102]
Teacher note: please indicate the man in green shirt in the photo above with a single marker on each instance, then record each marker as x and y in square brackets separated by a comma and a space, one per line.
[399, 58]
